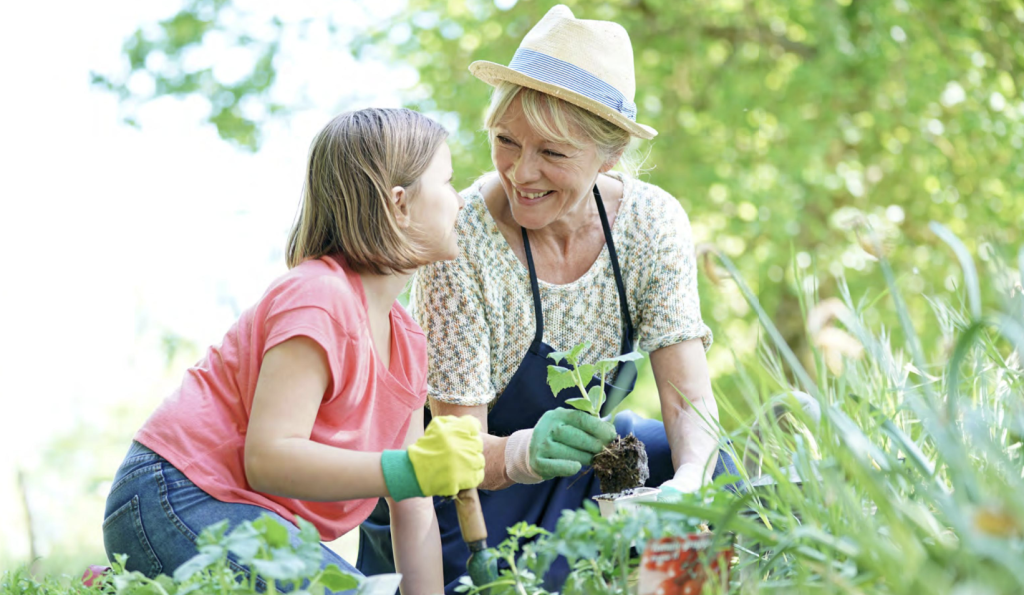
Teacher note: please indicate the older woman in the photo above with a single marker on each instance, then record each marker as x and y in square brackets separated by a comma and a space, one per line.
[557, 249]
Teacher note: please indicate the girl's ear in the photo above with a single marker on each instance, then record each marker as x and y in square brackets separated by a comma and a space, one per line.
[400, 202]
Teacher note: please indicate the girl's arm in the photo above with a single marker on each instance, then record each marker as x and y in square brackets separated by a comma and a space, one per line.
[280, 459]
[414, 533]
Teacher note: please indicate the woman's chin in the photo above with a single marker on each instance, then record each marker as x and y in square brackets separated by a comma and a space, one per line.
[530, 218]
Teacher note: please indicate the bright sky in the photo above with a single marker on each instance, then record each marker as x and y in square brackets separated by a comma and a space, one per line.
[111, 236]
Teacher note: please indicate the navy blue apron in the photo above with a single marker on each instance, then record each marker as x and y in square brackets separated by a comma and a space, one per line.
[525, 399]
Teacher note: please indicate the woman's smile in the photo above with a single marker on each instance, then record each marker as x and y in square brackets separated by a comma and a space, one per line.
[531, 196]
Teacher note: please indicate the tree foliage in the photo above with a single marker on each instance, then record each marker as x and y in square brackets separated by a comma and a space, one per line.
[798, 134]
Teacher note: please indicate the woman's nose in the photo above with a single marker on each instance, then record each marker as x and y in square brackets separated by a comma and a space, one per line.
[524, 169]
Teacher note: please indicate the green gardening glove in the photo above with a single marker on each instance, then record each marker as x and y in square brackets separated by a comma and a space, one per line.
[447, 459]
[565, 440]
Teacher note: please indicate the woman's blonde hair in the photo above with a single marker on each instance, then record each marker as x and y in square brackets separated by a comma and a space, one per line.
[561, 122]
[347, 207]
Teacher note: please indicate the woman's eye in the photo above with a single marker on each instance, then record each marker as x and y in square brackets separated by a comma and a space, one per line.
[505, 140]
[554, 154]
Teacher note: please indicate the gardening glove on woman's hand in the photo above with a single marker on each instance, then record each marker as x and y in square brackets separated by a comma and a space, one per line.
[689, 478]
[447, 459]
[565, 440]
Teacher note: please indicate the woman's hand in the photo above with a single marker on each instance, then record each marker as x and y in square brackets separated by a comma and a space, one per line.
[565, 440]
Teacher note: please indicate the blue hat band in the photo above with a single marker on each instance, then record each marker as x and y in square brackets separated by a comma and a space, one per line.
[553, 71]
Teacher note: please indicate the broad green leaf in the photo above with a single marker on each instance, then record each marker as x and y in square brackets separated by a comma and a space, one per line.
[335, 579]
[581, 404]
[559, 356]
[559, 379]
[597, 397]
[195, 564]
[167, 584]
[285, 565]
[244, 541]
[273, 532]
[212, 534]
[586, 372]
[574, 355]
[308, 532]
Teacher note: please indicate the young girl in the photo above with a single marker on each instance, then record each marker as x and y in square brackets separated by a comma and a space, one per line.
[312, 406]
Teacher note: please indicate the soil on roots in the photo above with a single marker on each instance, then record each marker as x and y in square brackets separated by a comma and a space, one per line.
[622, 465]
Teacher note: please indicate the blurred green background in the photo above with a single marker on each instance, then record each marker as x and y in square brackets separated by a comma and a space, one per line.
[787, 129]
[792, 131]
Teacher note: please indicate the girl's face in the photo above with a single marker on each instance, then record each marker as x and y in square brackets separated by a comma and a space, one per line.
[434, 208]
[544, 181]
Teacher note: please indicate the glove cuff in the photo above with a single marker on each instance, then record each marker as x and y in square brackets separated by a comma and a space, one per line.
[517, 458]
[399, 475]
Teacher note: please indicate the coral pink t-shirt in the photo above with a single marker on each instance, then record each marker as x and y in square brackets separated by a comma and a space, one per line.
[201, 427]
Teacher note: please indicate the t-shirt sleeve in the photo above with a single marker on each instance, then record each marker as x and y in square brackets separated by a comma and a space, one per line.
[305, 310]
[449, 307]
[669, 303]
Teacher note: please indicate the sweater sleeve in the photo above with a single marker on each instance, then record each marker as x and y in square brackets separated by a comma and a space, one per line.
[669, 303]
[448, 305]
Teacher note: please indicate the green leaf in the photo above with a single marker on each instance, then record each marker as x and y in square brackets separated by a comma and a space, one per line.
[273, 532]
[195, 564]
[244, 542]
[560, 379]
[308, 532]
[632, 356]
[285, 565]
[335, 579]
[559, 356]
[574, 355]
[596, 399]
[581, 404]
[213, 534]
[586, 372]
[167, 584]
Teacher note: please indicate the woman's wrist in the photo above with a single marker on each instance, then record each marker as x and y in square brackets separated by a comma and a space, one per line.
[517, 458]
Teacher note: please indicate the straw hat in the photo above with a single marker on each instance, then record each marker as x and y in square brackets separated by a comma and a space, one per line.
[587, 63]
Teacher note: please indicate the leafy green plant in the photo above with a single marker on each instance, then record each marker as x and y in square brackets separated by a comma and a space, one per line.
[262, 545]
[910, 484]
[20, 582]
[580, 375]
[603, 552]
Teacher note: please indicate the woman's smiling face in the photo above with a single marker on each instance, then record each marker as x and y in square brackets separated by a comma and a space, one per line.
[544, 181]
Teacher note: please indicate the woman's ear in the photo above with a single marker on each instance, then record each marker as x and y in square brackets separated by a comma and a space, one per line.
[400, 202]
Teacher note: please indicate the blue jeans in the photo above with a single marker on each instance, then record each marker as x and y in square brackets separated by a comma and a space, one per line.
[154, 515]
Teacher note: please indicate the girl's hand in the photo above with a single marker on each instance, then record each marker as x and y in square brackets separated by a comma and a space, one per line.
[448, 458]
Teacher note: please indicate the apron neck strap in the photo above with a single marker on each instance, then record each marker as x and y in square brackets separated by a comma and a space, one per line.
[627, 340]
[538, 312]
[623, 302]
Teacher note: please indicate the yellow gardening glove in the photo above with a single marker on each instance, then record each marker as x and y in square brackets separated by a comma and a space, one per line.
[449, 457]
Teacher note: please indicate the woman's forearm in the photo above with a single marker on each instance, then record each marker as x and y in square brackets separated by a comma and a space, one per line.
[417, 546]
[686, 425]
[688, 406]
[495, 473]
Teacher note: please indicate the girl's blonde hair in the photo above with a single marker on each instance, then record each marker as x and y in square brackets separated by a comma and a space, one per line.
[347, 208]
[561, 122]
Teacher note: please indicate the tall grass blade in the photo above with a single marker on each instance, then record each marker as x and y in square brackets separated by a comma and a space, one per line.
[966, 263]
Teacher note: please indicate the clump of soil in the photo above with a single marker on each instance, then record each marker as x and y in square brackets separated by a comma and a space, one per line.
[622, 465]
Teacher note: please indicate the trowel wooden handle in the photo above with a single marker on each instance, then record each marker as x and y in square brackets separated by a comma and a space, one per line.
[471, 516]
